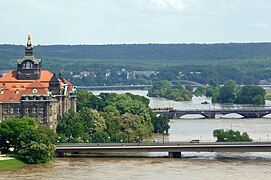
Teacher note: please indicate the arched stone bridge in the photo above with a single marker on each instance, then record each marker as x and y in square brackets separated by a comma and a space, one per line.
[211, 113]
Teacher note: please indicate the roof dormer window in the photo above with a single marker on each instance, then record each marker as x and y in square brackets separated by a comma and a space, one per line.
[28, 65]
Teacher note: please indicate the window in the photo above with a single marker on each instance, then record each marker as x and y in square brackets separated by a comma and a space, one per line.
[18, 110]
[26, 110]
[11, 111]
[34, 110]
[28, 65]
[5, 110]
[27, 75]
[41, 110]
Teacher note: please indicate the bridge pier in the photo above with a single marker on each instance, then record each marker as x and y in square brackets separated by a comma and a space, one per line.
[174, 154]
[59, 154]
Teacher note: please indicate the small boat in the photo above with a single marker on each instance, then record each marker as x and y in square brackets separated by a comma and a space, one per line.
[205, 102]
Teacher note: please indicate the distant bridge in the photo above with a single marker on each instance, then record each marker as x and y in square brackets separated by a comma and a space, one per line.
[174, 149]
[186, 83]
[121, 87]
[249, 112]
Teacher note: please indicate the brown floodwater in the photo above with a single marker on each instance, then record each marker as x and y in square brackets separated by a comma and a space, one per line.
[156, 166]
[146, 168]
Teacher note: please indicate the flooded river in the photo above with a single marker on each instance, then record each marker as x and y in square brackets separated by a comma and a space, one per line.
[156, 166]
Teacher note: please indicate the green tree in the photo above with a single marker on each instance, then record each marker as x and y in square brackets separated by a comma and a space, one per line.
[251, 95]
[98, 122]
[83, 99]
[32, 142]
[228, 92]
[71, 127]
[177, 93]
[160, 123]
[124, 117]
[36, 147]
[100, 137]
[230, 136]
[12, 128]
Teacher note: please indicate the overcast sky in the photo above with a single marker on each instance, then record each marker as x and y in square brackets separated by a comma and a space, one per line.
[134, 21]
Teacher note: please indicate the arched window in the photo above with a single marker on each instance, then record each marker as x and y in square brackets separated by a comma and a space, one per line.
[28, 65]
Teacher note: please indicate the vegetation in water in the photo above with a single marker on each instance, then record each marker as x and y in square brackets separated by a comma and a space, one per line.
[110, 117]
[268, 96]
[231, 93]
[32, 142]
[176, 93]
[230, 136]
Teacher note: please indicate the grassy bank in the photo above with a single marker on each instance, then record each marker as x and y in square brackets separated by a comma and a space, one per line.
[10, 163]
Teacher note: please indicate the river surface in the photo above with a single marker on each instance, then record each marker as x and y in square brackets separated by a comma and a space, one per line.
[156, 166]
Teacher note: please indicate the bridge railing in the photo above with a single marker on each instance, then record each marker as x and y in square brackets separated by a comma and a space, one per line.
[232, 108]
[158, 144]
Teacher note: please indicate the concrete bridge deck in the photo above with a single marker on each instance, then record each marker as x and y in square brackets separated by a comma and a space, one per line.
[173, 148]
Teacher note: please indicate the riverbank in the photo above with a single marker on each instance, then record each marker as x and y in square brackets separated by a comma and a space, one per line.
[7, 162]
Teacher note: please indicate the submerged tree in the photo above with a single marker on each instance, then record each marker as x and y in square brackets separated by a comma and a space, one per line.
[230, 136]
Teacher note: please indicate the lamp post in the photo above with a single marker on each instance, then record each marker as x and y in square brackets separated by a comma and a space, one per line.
[59, 138]
[164, 136]
[108, 139]
[137, 139]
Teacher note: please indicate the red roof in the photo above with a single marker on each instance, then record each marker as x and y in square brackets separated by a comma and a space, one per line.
[36, 88]
[13, 88]
[2, 86]
[10, 96]
[10, 81]
[70, 86]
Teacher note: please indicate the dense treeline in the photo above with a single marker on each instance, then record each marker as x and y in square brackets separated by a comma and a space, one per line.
[110, 117]
[176, 93]
[231, 93]
[204, 63]
[147, 51]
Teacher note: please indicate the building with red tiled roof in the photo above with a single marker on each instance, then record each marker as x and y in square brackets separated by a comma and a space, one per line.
[31, 91]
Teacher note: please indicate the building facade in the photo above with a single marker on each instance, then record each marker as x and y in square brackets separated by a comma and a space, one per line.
[31, 91]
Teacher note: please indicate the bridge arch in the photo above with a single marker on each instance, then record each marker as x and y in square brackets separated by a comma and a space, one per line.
[232, 116]
[267, 116]
[192, 116]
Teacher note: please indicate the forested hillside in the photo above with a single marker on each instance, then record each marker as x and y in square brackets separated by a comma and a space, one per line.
[245, 63]
[154, 52]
